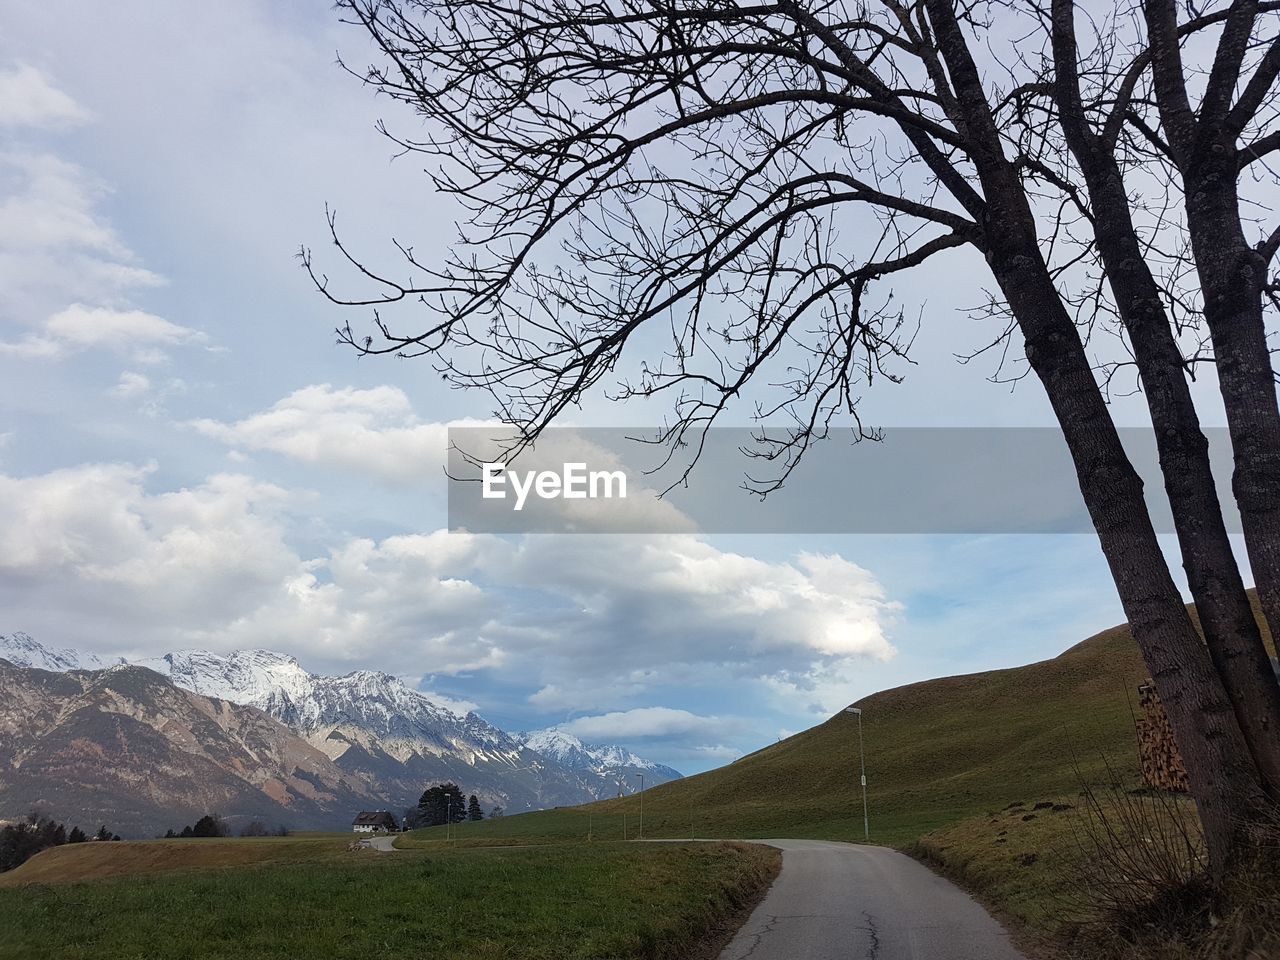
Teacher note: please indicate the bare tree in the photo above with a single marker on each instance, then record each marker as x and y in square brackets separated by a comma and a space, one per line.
[683, 168]
[1233, 635]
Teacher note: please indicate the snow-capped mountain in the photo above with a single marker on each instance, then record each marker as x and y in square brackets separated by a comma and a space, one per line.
[125, 746]
[617, 766]
[393, 738]
[22, 651]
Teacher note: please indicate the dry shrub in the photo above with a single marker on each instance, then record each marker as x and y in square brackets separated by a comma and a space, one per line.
[1143, 890]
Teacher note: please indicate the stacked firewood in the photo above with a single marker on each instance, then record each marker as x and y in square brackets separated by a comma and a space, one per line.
[1158, 754]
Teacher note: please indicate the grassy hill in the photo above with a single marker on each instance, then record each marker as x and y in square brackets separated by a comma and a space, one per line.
[76, 862]
[937, 752]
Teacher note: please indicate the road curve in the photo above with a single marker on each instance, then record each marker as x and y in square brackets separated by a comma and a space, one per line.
[842, 901]
[384, 844]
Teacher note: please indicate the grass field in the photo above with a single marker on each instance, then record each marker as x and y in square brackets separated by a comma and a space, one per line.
[312, 898]
[98, 861]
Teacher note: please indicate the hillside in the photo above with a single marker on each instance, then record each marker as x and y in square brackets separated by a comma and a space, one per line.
[937, 752]
[124, 746]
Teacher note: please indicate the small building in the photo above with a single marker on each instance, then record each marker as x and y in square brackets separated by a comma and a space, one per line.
[373, 821]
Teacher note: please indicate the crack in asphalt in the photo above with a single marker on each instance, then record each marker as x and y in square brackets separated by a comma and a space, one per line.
[874, 934]
[758, 938]
[771, 922]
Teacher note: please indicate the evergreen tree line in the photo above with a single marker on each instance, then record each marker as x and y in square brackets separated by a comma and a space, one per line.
[212, 825]
[21, 841]
[445, 803]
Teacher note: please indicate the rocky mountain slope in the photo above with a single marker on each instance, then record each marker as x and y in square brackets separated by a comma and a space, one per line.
[125, 747]
[386, 736]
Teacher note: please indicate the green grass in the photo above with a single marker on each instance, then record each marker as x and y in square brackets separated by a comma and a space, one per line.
[937, 753]
[1032, 862]
[567, 902]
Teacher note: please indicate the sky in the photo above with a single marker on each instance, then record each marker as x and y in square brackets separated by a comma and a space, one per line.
[187, 458]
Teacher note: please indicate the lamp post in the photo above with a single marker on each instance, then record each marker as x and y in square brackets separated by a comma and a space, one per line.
[862, 766]
[640, 835]
[448, 817]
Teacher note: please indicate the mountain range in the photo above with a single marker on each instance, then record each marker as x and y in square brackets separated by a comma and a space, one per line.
[252, 733]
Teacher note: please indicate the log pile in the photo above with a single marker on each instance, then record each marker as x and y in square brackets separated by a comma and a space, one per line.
[1157, 753]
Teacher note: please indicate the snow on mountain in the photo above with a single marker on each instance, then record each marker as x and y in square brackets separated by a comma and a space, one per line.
[605, 760]
[383, 732]
[22, 651]
[363, 708]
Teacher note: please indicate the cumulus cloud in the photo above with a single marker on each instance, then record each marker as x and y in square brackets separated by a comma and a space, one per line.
[79, 327]
[646, 723]
[175, 556]
[375, 432]
[372, 431]
[29, 99]
[93, 556]
[679, 587]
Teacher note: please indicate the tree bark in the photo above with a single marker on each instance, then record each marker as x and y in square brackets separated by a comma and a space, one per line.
[1225, 781]
[1226, 616]
[1232, 275]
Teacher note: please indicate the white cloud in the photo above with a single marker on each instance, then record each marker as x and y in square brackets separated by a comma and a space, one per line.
[29, 99]
[684, 590]
[91, 556]
[79, 327]
[55, 246]
[646, 723]
[131, 385]
[373, 431]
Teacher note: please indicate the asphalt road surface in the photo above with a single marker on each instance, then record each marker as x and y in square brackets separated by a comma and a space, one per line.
[841, 901]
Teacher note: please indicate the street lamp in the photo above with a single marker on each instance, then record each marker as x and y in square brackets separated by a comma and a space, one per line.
[448, 817]
[640, 835]
[862, 765]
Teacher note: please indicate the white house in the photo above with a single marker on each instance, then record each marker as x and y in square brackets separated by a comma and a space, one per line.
[373, 821]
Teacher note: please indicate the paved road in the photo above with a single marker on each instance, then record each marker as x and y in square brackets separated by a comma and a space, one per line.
[383, 844]
[840, 901]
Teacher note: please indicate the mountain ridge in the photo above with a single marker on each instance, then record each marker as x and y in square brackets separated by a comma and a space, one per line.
[124, 746]
[384, 734]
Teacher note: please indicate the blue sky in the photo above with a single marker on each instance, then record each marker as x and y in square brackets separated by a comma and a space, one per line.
[187, 459]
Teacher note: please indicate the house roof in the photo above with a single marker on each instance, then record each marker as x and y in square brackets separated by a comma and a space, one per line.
[373, 818]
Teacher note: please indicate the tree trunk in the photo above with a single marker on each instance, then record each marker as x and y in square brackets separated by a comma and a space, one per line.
[1226, 617]
[1224, 778]
[1231, 276]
